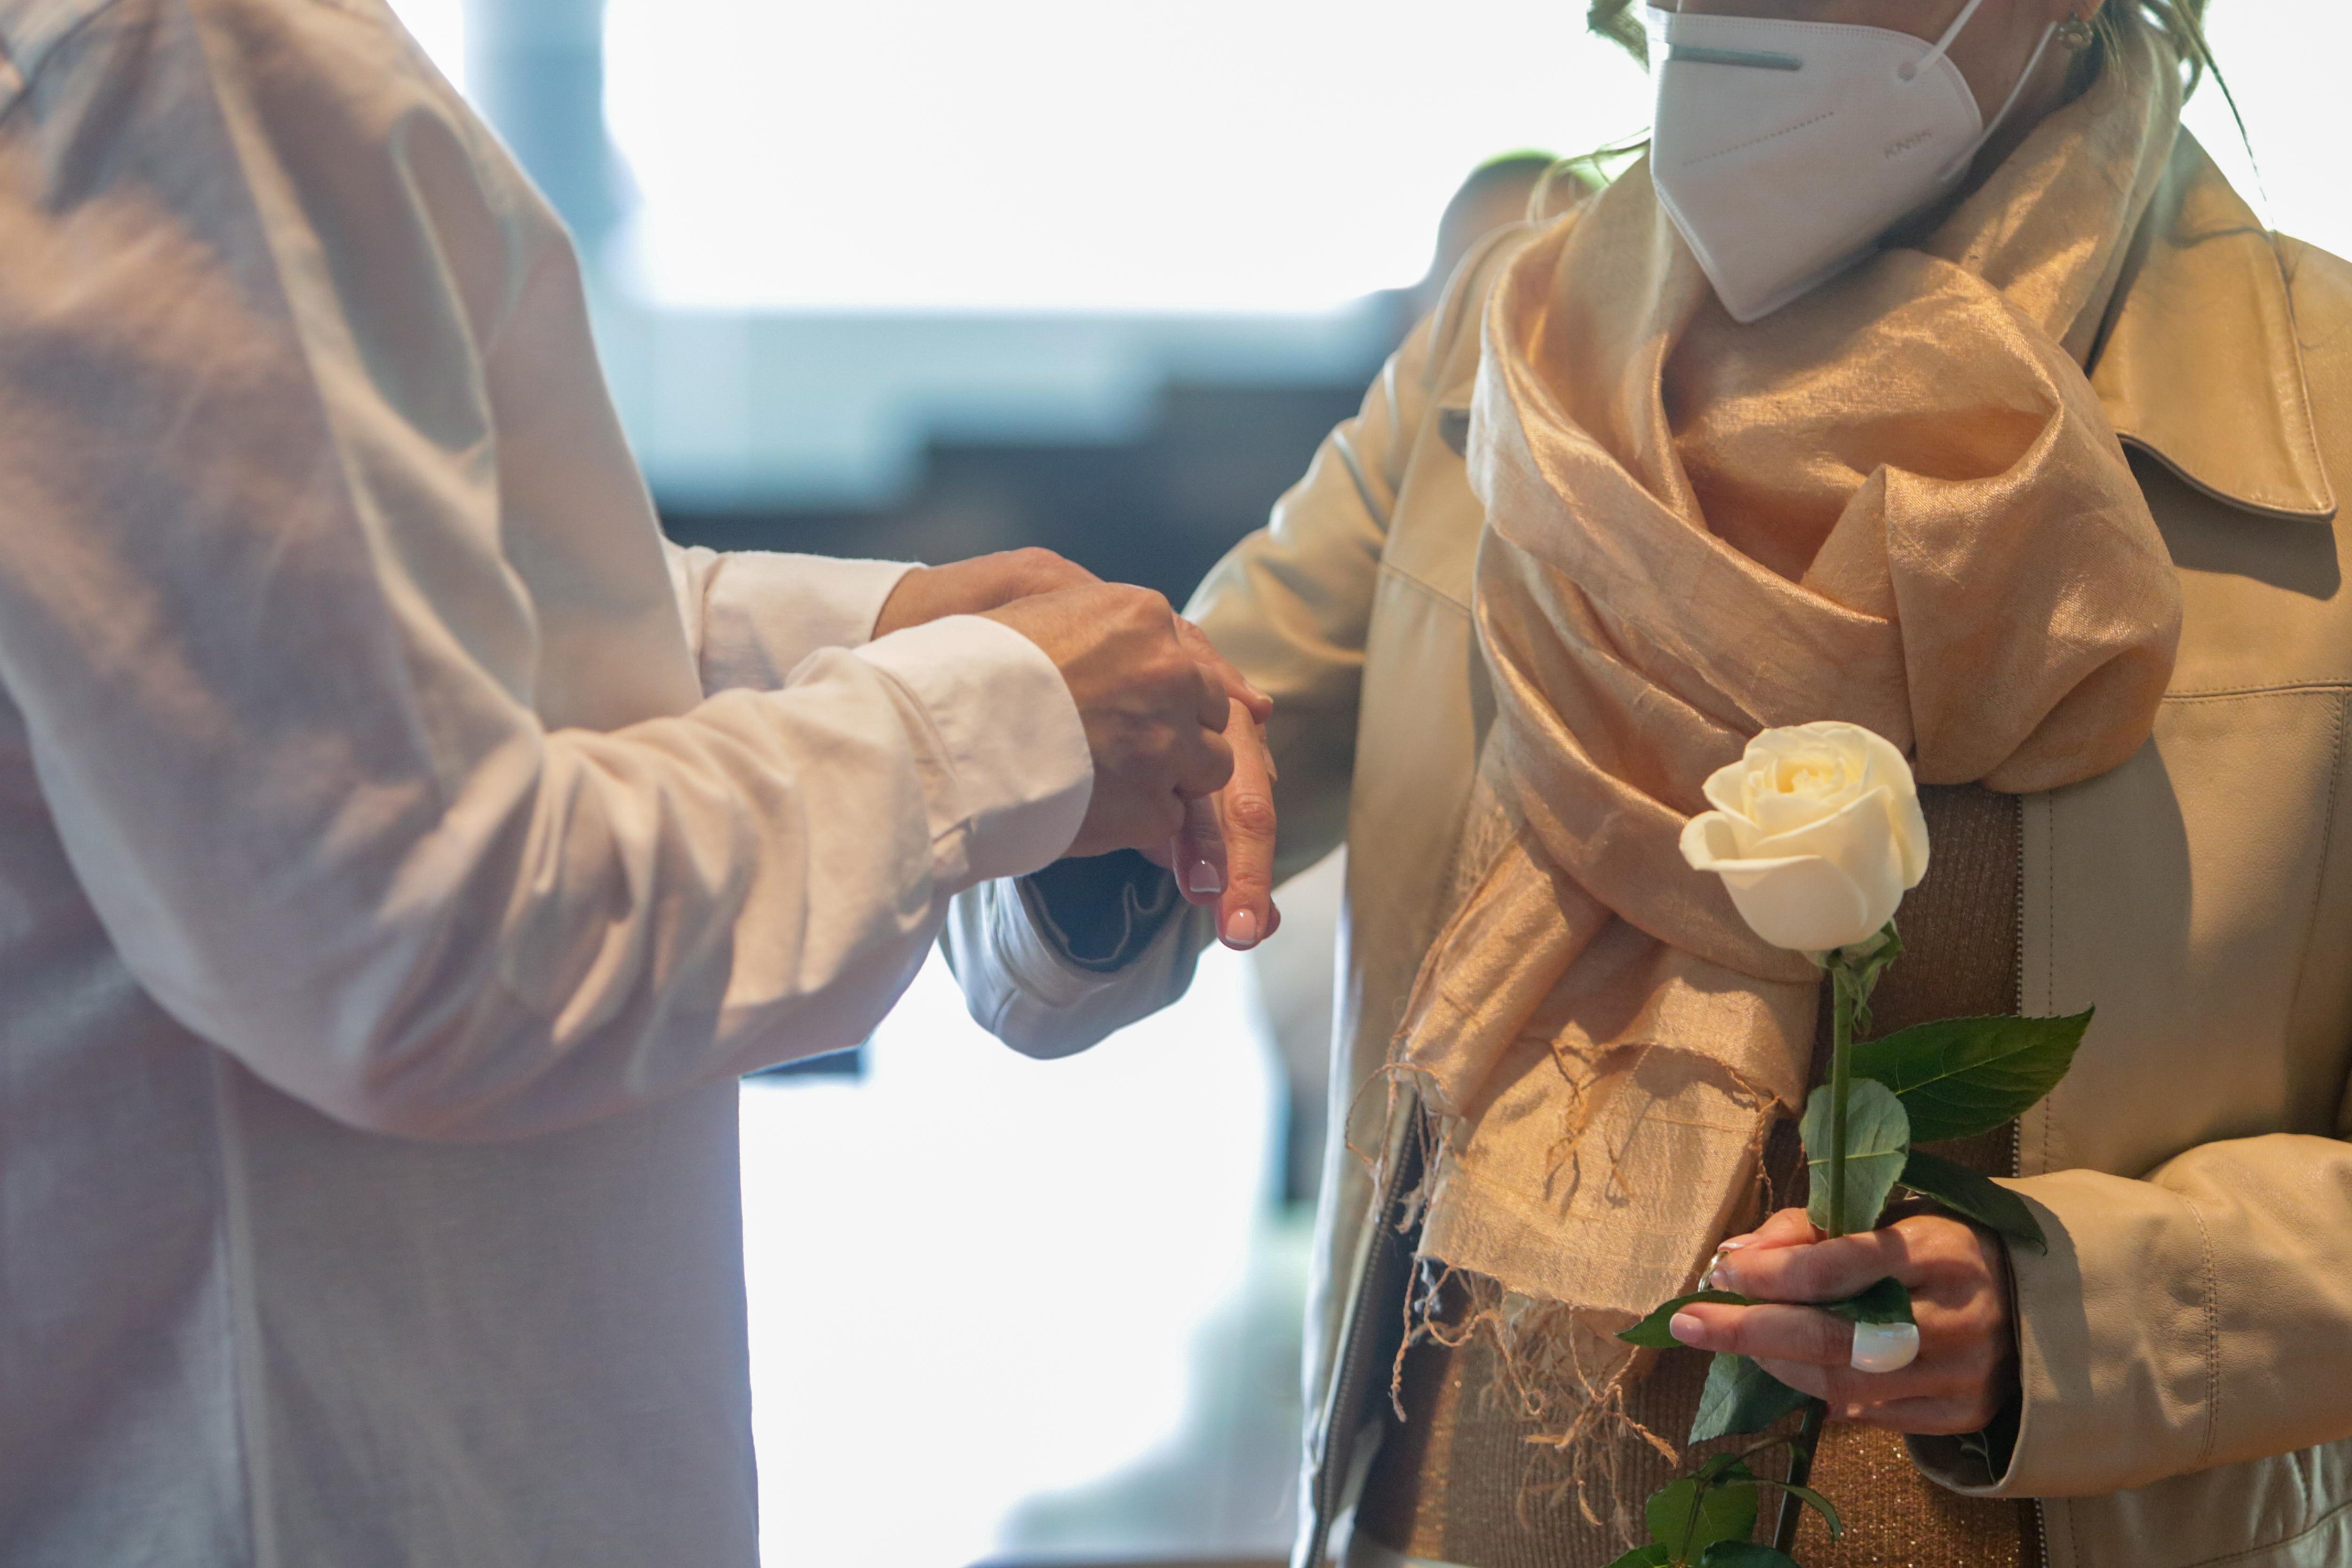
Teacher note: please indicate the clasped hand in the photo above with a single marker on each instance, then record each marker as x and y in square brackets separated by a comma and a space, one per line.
[1182, 770]
[1958, 1276]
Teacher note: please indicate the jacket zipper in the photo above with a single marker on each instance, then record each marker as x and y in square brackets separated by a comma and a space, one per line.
[1360, 1352]
[2017, 1145]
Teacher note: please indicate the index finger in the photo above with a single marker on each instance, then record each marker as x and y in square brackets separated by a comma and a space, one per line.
[1246, 915]
[1828, 1270]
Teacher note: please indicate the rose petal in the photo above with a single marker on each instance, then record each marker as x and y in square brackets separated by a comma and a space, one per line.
[1779, 811]
[1726, 787]
[1911, 838]
[1803, 903]
[1862, 842]
[1888, 767]
[1711, 838]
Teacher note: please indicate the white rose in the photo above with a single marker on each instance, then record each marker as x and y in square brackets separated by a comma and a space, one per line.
[1816, 833]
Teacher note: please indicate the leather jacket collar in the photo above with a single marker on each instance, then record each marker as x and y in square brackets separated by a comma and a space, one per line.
[2200, 366]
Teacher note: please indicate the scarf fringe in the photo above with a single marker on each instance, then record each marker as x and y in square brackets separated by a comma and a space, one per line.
[1558, 1367]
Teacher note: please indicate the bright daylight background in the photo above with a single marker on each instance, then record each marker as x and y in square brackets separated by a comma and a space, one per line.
[999, 1305]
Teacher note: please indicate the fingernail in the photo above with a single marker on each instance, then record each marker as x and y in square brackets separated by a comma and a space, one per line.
[1204, 877]
[1687, 1327]
[1241, 931]
[1717, 1279]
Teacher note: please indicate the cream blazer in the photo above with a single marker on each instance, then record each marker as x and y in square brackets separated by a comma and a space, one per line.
[2188, 1340]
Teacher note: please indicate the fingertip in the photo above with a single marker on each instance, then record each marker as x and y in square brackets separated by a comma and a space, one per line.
[1787, 1228]
[1242, 931]
[1688, 1327]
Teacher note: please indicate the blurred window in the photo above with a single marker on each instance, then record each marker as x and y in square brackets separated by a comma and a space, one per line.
[1235, 155]
[440, 26]
[2284, 63]
[1240, 155]
[1025, 1309]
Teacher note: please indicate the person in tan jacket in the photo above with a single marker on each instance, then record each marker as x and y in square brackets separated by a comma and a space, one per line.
[2045, 488]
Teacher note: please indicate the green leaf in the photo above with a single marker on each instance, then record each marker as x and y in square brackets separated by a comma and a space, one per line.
[1651, 1557]
[1862, 967]
[1688, 1516]
[1966, 1076]
[1817, 1503]
[1651, 1333]
[1745, 1555]
[1973, 1197]
[1722, 1465]
[1740, 1397]
[1887, 1301]
[1878, 1137]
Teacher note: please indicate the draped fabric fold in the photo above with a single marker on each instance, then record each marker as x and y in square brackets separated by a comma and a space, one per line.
[1895, 502]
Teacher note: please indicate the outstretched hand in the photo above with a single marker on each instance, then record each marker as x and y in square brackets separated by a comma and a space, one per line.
[1225, 855]
[1220, 842]
[1958, 1278]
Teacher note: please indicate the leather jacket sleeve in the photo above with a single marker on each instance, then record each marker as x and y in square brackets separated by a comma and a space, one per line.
[1291, 607]
[2197, 1318]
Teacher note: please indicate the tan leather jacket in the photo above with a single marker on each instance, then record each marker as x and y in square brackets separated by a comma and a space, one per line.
[2188, 1340]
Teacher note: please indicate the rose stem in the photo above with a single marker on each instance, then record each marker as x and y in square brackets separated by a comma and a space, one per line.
[1845, 986]
[1845, 989]
[1800, 1473]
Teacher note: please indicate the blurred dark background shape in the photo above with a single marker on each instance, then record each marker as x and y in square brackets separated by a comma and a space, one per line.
[1158, 508]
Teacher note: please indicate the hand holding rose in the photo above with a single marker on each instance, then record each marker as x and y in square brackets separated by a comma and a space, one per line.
[1958, 1277]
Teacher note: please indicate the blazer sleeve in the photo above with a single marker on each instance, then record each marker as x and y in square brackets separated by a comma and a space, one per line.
[2200, 1317]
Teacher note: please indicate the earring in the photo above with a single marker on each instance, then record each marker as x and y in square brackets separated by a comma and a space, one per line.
[2076, 33]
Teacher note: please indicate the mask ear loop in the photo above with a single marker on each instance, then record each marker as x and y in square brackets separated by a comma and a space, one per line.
[1993, 126]
[1943, 45]
[2032, 63]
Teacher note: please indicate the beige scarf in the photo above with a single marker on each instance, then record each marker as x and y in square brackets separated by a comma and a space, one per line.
[1896, 502]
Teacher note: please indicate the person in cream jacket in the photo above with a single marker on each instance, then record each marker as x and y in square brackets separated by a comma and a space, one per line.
[2180, 1359]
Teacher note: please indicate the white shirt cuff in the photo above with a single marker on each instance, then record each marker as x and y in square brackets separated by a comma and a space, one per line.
[763, 612]
[1020, 773]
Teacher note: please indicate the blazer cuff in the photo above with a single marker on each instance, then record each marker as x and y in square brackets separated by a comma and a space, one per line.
[2116, 1330]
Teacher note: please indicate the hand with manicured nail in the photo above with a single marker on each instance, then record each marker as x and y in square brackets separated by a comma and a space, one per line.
[1965, 1369]
[1224, 854]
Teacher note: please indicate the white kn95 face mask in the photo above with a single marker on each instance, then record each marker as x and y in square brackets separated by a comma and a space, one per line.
[1782, 151]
